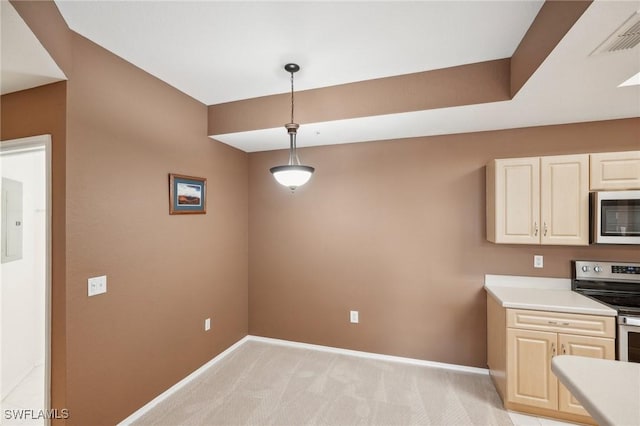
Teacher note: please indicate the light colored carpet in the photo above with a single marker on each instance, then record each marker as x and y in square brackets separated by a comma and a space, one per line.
[269, 384]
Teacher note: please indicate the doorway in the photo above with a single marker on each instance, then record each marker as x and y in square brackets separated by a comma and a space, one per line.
[25, 280]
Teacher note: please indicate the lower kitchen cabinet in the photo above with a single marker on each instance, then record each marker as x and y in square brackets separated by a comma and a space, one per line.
[593, 347]
[520, 346]
[529, 377]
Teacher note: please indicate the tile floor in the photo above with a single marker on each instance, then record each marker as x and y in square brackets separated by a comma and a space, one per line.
[28, 395]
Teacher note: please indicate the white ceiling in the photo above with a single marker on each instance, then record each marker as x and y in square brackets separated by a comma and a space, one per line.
[224, 51]
[25, 63]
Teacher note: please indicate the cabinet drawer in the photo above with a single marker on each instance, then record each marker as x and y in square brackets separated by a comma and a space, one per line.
[587, 325]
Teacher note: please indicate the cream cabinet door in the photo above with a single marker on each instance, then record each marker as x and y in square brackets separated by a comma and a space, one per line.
[513, 201]
[564, 188]
[593, 347]
[529, 377]
[615, 170]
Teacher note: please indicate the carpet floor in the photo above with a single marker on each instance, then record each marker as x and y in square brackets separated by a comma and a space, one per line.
[268, 384]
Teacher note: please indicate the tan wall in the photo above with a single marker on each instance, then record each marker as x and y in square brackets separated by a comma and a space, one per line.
[125, 131]
[34, 112]
[396, 230]
[166, 274]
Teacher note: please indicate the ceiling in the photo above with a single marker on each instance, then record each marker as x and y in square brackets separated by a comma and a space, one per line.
[218, 52]
[25, 63]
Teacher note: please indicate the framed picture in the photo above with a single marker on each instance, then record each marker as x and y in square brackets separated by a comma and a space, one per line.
[187, 194]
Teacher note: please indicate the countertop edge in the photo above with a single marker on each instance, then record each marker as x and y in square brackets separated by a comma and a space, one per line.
[600, 311]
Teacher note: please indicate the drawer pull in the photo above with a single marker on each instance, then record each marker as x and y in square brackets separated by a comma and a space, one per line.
[557, 323]
[564, 350]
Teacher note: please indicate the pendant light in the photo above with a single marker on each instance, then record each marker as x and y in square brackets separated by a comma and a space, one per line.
[293, 174]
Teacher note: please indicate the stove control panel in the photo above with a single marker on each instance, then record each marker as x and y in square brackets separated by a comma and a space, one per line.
[625, 269]
[602, 271]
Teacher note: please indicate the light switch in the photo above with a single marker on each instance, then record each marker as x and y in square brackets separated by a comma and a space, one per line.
[354, 317]
[97, 285]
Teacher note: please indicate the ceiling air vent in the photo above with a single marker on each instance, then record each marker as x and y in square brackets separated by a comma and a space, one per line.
[625, 37]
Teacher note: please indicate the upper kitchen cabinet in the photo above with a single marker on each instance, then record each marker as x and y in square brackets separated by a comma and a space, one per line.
[564, 191]
[615, 170]
[538, 200]
[513, 201]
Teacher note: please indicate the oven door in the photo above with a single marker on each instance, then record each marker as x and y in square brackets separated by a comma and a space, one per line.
[615, 217]
[629, 339]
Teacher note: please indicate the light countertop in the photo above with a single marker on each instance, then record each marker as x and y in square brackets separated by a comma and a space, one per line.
[542, 294]
[609, 390]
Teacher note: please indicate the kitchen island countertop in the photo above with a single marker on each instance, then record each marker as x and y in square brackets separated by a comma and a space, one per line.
[609, 390]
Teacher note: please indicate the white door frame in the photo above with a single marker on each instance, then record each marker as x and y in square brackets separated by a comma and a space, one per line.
[25, 145]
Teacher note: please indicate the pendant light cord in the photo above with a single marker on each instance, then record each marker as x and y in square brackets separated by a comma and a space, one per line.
[292, 97]
[293, 152]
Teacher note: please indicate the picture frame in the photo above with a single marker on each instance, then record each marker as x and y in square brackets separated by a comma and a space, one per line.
[187, 194]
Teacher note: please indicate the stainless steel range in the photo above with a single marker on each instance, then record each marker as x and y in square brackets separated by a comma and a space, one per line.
[616, 284]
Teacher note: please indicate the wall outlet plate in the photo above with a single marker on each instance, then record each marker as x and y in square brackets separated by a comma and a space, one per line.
[354, 317]
[538, 261]
[97, 285]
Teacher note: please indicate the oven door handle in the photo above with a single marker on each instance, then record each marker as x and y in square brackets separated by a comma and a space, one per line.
[631, 321]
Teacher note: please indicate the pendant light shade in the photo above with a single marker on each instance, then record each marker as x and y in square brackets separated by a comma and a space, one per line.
[293, 174]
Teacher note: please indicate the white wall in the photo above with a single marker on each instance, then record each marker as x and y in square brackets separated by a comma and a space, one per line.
[22, 287]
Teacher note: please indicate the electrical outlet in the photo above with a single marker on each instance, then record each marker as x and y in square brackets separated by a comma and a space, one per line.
[207, 324]
[354, 317]
[97, 285]
[538, 261]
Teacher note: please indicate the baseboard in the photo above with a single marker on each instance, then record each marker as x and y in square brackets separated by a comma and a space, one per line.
[173, 389]
[370, 355]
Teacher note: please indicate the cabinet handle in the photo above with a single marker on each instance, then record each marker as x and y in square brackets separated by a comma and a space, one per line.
[553, 350]
[535, 229]
[552, 322]
[564, 350]
[545, 229]
[566, 323]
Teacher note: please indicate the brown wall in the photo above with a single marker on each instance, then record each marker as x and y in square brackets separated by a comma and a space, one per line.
[35, 112]
[396, 230]
[117, 133]
[166, 274]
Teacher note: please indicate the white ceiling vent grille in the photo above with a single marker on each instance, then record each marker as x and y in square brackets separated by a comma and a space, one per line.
[625, 37]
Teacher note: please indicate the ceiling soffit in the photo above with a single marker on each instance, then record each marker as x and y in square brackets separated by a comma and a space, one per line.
[462, 85]
[471, 84]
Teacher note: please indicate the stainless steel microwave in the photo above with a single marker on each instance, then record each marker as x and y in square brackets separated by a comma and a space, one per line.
[615, 217]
